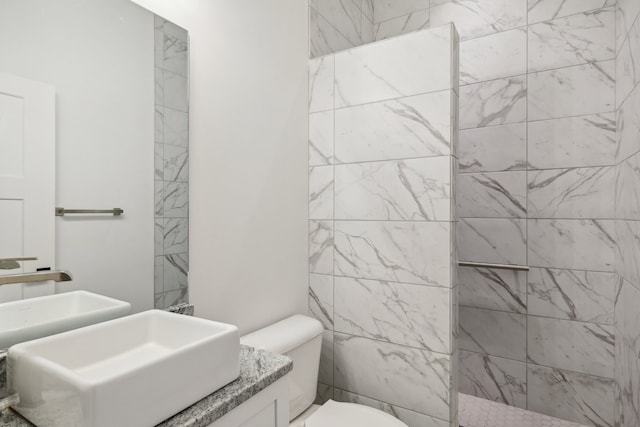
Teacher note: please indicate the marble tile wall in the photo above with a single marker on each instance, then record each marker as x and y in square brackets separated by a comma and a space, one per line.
[627, 214]
[544, 130]
[171, 164]
[536, 173]
[382, 221]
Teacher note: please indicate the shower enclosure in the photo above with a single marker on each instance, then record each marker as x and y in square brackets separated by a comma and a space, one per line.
[546, 169]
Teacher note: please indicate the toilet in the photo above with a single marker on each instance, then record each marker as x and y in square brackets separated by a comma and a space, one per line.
[300, 338]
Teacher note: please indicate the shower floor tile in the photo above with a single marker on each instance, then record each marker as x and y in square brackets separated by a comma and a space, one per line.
[476, 412]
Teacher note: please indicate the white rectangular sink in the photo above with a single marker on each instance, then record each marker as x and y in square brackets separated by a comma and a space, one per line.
[34, 318]
[134, 371]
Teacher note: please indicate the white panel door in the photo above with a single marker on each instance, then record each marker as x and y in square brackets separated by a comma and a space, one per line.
[27, 180]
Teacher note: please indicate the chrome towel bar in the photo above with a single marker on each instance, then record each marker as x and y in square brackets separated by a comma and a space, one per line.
[114, 211]
[56, 276]
[496, 266]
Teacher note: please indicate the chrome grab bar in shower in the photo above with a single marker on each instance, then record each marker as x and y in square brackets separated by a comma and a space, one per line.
[496, 266]
[114, 211]
[40, 276]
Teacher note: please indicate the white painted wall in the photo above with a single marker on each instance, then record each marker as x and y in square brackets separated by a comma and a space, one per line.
[248, 155]
[99, 56]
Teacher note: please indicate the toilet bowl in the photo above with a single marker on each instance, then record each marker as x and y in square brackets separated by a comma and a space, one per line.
[300, 337]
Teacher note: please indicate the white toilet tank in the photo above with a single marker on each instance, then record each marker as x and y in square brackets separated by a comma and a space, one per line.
[300, 338]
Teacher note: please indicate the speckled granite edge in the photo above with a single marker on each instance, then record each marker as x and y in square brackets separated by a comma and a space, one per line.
[186, 309]
[258, 370]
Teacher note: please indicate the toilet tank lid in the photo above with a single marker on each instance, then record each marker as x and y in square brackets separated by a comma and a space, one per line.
[285, 335]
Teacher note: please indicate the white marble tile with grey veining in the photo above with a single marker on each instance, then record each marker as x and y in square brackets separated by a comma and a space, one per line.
[586, 296]
[416, 63]
[158, 275]
[577, 39]
[411, 418]
[414, 21]
[493, 148]
[158, 199]
[573, 142]
[176, 127]
[176, 269]
[547, 10]
[176, 235]
[176, 91]
[176, 55]
[324, 392]
[383, 10]
[495, 333]
[628, 316]
[158, 234]
[418, 380]
[476, 18]
[628, 126]
[368, 30]
[158, 93]
[628, 233]
[321, 138]
[158, 162]
[627, 66]
[626, 14]
[627, 189]
[321, 247]
[343, 15]
[572, 91]
[496, 102]
[493, 195]
[324, 38]
[158, 124]
[409, 252]
[321, 74]
[572, 193]
[494, 56]
[579, 244]
[627, 390]
[587, 348]
[175, 200]
[418, 126]
[325, 372]
[504, 290]
[321, 192]
[399, 313]
[493, 378]
[366, 6]
[158, 48]
[571, 396]
[176, 163]
[493, 240]
[321, 298]
[170, 28]
[414, 189]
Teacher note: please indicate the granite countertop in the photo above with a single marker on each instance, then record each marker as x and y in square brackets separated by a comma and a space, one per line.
[258, 370]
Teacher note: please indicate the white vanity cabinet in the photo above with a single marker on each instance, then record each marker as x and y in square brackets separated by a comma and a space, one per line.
[268, 408]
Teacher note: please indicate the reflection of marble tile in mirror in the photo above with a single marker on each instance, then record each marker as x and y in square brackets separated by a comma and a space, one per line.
[172, 164]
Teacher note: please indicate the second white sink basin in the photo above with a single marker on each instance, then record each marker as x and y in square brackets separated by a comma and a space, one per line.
[34, 318]
[133, 371]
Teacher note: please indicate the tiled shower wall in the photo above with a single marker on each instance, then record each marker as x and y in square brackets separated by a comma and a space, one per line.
[627, 312]
[537, 167]
[171, 164]
[381, 152]
[537, 172]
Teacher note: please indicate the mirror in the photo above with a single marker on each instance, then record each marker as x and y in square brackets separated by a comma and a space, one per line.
[120, 78]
